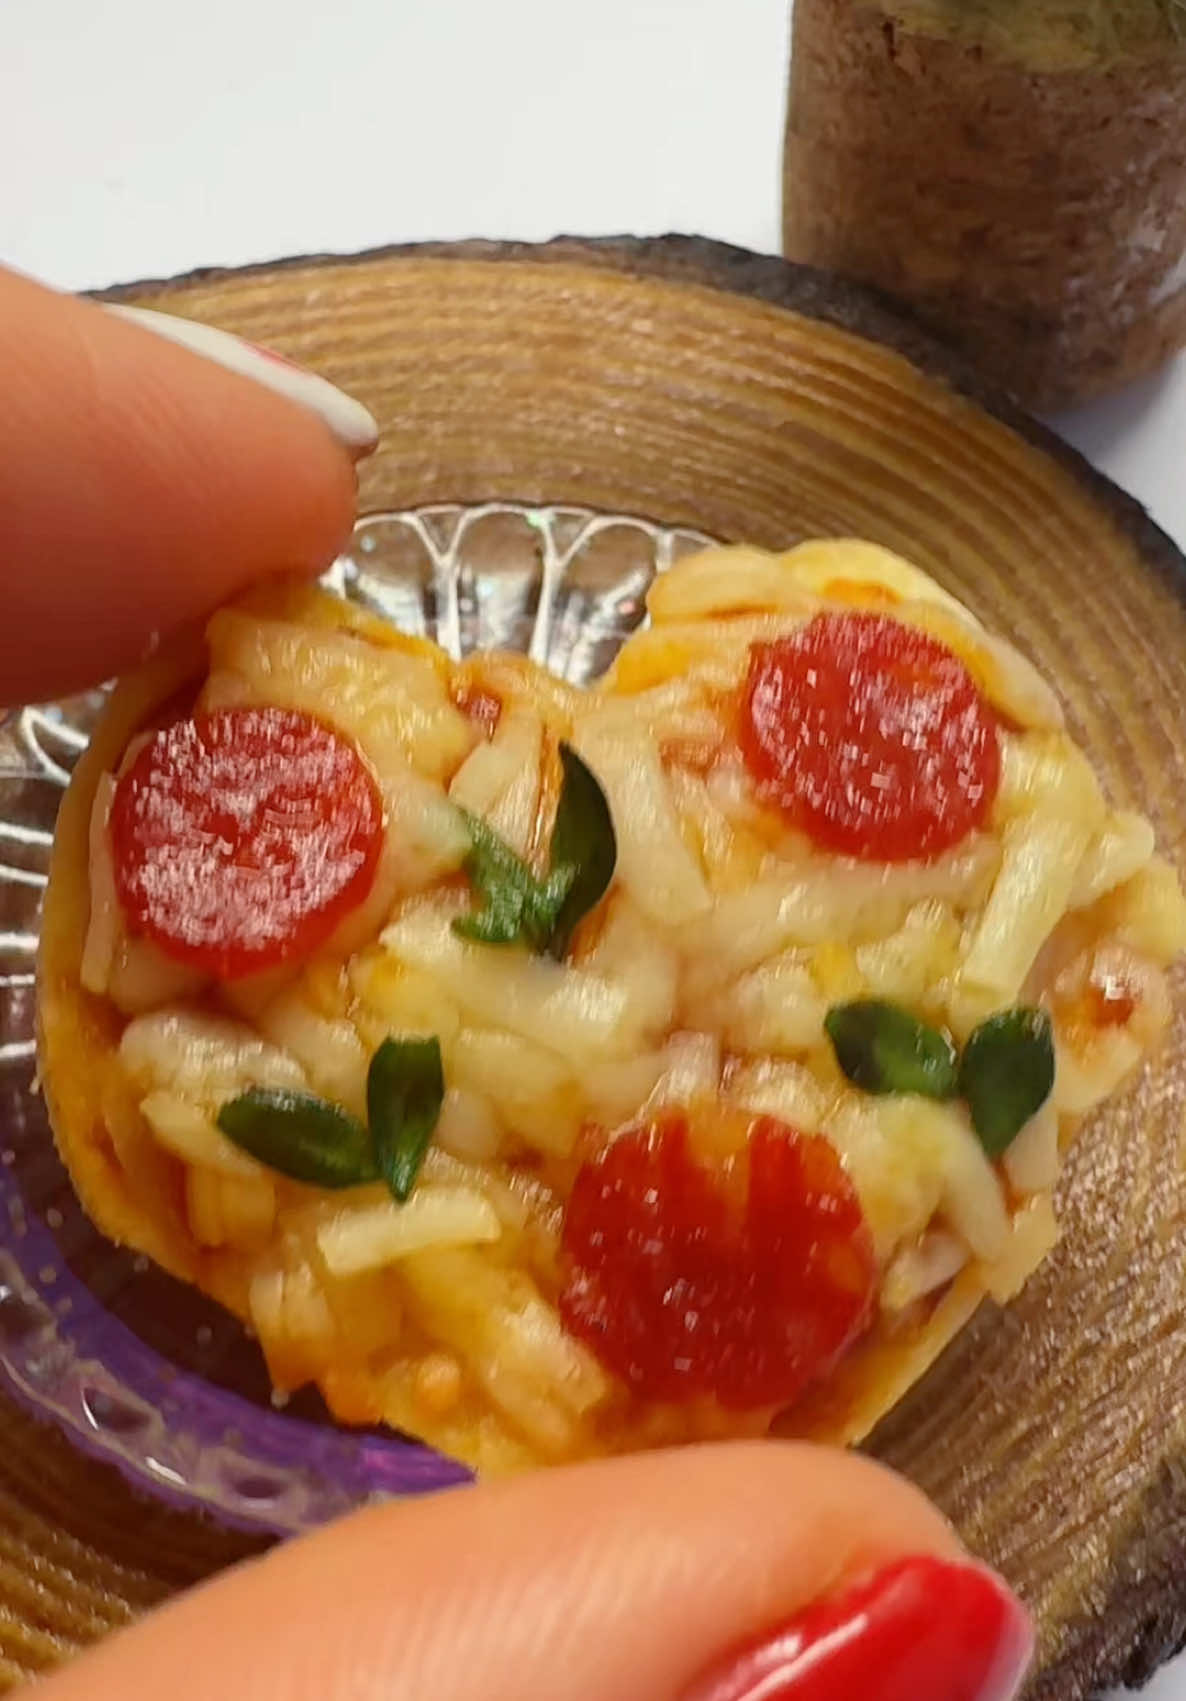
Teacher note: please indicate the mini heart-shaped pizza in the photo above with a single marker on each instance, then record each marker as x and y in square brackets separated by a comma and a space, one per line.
[547, 1072]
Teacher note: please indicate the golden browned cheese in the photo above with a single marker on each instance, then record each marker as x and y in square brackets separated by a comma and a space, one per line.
[704, 975]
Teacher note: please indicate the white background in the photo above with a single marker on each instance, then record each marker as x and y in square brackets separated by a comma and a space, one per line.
[140, 139]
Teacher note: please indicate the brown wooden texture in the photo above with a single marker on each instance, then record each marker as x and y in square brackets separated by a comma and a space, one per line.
[703, 386]
[1033, 213]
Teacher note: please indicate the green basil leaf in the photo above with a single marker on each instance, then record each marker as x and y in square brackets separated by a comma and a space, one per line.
[543, 914]
[883, 1049]
[500, 919]
[496, 924]
[491, 864]
[301, 1136]
[405, 1090]
[546, 904]
[516, 907]
[584, 840]
[1007, 1074]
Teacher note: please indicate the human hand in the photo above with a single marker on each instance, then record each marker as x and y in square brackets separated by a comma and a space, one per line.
[139, 487]
[685, 1576]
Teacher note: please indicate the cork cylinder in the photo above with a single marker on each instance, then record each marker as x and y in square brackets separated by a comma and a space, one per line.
[1012, 170]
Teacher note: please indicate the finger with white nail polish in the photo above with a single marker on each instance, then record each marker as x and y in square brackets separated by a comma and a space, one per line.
[142, 485]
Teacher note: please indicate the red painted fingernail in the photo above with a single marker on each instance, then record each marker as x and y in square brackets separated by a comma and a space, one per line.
[923, 1629]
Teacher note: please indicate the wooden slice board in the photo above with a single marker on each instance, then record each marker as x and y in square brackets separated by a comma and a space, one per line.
[703, 386]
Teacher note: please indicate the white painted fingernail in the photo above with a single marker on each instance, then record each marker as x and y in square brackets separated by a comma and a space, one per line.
[349, 421]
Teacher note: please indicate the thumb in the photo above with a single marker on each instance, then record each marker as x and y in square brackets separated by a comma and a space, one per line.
[633, 1580]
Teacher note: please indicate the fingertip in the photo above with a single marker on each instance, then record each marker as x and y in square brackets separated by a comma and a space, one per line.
[141, 485]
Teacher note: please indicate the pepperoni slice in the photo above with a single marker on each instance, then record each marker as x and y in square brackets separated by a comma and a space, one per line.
[687, 1283]
[871, 737]
[241, 838]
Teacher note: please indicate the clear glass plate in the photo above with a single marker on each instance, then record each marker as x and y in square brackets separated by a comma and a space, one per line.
[136, 1368]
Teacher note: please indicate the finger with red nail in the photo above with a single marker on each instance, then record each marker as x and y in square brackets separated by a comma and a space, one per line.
[761, 1572]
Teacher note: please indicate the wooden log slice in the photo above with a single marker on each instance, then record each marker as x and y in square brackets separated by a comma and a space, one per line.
[704, 387]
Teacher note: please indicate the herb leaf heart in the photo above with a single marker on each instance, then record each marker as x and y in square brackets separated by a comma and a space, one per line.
[515, 905]
[518, 908]
[311, 1140]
